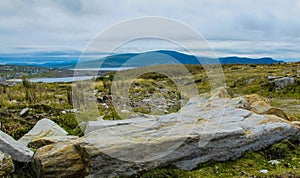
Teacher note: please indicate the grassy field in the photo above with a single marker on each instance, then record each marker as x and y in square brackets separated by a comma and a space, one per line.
[54, 101]
[249, 165]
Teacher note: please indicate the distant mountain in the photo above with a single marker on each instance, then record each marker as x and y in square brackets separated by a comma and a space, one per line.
[65, 61]
[245, 60]
[166, 57]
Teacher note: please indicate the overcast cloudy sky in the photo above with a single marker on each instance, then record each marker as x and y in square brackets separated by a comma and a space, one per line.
[232, 27]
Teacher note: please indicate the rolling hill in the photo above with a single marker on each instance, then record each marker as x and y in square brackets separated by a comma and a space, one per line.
[168, 57]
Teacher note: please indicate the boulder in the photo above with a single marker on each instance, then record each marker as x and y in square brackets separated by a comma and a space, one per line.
[16, 150]
[6, 165]
[40, 142]
[284, 82]
[281, 82]
[218, 128]
[63, 162]
[43, 128]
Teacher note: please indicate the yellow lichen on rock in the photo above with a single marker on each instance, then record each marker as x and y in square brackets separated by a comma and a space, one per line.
[50, 161]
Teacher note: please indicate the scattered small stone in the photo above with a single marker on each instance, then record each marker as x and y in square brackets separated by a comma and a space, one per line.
[70, 111]
[274, 162]
[125, 111]
[274, 77]
[250, 81]
[264, 171]
[24, 111]
[14, 101]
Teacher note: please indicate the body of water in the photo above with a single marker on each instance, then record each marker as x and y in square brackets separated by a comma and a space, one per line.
[56, 80]
[104, 69]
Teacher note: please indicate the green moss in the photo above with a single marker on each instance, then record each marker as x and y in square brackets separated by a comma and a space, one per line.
[280, 150]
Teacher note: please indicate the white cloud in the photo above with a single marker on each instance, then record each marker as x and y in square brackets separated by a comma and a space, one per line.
[71, 24]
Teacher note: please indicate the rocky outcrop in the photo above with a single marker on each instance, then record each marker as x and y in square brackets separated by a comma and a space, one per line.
[219, 128]
[281, 82]
[43, 128]
[16, 150]
[6, 165]
[284, 82]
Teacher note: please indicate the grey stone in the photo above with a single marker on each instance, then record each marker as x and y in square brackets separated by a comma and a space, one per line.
[24, 111]
[274, 77]
[43, 128]
[63, 162]
[250, 81]
[284, 82]
[16, 150]
[280, 83]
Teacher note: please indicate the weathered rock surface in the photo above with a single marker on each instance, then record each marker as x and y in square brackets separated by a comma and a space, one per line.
[204, 129]
[58, 160]
[6, 165]
[16, 150]
[43, 128]
[280, 83]
[40, 142]
[100, 124]
[284, 82]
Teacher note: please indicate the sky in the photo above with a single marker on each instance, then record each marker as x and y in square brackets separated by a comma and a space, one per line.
[231, 27]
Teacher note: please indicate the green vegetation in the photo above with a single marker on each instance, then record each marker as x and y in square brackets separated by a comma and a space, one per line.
[44, 101]
[54, 101]
[249, 165]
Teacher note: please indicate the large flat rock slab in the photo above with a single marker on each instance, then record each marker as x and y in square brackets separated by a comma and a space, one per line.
[217, 128]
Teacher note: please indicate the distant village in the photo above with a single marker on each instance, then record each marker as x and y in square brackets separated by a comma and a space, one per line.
[8, 72]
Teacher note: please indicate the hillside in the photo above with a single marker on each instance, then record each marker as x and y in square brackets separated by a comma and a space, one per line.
[117, 60]
[167, 57]
[54, 101]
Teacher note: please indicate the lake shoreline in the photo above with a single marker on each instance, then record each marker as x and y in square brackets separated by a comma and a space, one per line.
[55, 80]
